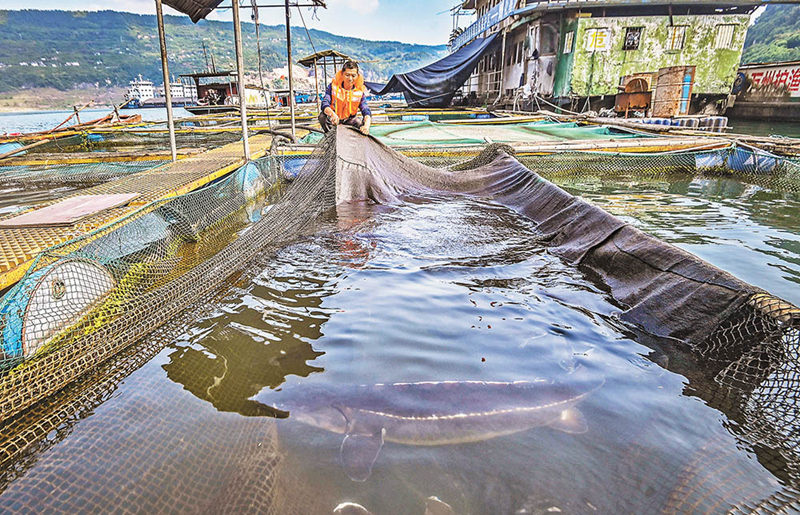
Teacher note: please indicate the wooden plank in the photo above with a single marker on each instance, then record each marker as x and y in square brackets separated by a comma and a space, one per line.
[68, 211]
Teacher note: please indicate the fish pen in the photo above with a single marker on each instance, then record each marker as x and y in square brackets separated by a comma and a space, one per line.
[86, 336]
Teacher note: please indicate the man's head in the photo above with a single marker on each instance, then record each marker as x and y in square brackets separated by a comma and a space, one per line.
[350, 73]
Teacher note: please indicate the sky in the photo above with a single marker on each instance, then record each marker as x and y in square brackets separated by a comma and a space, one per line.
[409, 21]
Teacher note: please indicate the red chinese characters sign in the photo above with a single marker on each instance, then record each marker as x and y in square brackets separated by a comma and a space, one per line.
[774, 81]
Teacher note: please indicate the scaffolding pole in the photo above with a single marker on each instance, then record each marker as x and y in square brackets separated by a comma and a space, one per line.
[165, 69]
[237, 38]
[289, 61]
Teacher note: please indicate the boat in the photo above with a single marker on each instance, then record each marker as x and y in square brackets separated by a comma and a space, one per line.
[142, 94]
[218, 92]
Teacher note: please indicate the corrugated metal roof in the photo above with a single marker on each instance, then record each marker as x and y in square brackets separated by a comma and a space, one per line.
[199, 9]
[319, 56]
[196, 9]
[769, 64]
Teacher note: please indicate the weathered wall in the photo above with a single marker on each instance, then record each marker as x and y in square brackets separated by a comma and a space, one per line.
[563, 74]
[598, 72]
[538, 73]
[513, 73]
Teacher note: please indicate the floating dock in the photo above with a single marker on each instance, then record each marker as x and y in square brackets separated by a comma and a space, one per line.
[20, 245]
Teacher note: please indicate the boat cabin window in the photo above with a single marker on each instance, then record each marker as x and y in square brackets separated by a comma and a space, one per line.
[633, 36]
[676, 35]
[549, 40]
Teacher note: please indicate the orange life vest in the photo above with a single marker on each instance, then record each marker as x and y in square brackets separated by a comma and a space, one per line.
[345, 102]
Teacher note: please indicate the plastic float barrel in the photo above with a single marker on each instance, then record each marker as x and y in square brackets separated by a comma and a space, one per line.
[292, 166]
[750, 161]
[415, 118]
[737, 160]
[250, 181]
[47, 302]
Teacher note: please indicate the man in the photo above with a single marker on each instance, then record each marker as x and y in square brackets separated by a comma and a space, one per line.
[344, 98]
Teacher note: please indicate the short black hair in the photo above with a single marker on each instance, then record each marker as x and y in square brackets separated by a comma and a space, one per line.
[350, 65]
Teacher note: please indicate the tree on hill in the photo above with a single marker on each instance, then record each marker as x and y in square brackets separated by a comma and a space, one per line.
[62, 49]
[775, 36]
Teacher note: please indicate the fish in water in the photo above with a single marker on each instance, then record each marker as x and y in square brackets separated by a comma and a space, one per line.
[434, 413]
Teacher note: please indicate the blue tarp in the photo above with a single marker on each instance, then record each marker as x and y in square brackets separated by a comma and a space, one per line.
[436, 84]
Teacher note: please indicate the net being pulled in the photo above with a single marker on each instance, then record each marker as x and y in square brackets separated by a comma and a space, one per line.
[88, 300]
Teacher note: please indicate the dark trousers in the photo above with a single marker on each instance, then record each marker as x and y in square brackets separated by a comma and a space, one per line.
[354, 121]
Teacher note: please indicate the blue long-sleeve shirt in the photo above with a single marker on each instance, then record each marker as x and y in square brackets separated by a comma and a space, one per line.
[327, 101]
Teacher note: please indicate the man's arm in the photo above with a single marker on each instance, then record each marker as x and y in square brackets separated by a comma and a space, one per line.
[327, 100]
[367, 113]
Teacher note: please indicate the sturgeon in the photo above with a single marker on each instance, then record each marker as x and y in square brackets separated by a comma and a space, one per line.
[435, 413]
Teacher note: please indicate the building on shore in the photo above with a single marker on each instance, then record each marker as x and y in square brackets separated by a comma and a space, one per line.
[580, 54]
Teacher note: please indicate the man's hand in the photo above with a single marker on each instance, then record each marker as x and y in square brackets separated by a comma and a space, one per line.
[333, 118]
[365, 126]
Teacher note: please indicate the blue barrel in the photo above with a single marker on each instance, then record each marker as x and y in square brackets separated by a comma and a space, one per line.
[48, 301]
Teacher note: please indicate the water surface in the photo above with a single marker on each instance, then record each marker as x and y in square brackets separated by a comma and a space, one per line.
[442, 289]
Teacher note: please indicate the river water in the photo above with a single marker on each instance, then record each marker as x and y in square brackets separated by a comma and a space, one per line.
[44, 120]
[436, 289]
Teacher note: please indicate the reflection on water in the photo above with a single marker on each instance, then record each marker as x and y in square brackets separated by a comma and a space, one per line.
[258, 335]
[443, 289]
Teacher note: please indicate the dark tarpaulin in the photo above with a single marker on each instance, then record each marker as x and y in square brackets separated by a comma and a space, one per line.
[436, 84]
[195, 9]
[665, 290]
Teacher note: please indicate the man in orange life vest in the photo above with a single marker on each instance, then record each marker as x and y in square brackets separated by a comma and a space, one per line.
[344, 98]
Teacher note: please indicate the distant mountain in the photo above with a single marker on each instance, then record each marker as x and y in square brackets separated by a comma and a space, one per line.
[775, 36]
[63, 49]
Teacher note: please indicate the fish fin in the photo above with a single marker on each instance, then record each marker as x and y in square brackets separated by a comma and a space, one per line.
[351, 508]
[359, 452]
[570, 421]
[436, 506]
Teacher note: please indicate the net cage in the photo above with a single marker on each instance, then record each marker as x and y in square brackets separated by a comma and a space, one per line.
[152, 137]
[79, 174]
[76, 315]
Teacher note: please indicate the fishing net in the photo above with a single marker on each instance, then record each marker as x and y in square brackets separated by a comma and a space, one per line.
[85, 302]
[83, 174]
[426, 133]
[151, 138]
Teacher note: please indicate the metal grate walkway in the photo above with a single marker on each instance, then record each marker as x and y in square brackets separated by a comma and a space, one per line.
[19, 246]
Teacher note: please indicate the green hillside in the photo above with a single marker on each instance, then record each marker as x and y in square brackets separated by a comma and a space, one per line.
[775, 36]
[63, 49]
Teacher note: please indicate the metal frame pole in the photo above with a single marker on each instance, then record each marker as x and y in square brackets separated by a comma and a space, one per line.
[316, 85]
[237, 37]
[289, 61]
[165, 70]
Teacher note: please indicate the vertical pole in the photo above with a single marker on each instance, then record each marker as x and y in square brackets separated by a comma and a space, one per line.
[77, 116]
[289, 61]
[165, 72]
[502, 66]
[316, 85]
[237, 37]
